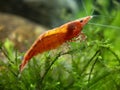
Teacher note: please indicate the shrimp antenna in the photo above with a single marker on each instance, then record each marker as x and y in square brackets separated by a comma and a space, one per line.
[102, 16]
[107, 26]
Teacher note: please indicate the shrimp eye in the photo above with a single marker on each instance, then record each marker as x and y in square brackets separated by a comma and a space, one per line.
[81, 21]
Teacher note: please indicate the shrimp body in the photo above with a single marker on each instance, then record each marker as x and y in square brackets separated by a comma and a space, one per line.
[54, 38]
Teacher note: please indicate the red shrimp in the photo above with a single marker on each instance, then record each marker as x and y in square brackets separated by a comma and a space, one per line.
[52, 39]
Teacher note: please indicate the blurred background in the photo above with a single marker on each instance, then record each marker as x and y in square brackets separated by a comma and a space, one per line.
[90, 65]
